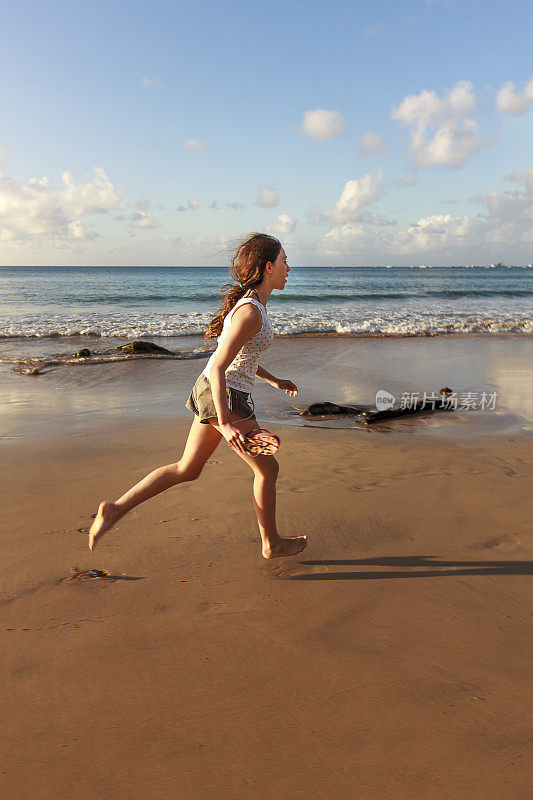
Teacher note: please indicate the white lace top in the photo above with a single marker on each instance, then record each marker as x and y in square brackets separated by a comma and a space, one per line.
[241, 372]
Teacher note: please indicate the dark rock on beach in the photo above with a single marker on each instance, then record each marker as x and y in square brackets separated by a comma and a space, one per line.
[142, 347]
[131, 348]
[327, 409]
[33, 369]
[83, 353]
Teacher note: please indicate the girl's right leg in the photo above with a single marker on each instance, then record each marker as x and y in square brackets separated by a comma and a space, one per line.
[201, 443]
[265, 469]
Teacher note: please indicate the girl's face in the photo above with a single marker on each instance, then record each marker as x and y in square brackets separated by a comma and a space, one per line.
[280, 270]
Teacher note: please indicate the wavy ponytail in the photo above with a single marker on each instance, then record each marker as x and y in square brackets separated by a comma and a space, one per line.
[247, 268]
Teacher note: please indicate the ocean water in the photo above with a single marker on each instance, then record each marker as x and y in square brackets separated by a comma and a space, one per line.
[404, 331]
[58, 303]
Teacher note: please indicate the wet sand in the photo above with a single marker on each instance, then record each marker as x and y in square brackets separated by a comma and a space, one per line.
[391, 659]
[347, 370]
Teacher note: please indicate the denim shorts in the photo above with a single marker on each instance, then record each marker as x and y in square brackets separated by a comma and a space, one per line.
[201, 403]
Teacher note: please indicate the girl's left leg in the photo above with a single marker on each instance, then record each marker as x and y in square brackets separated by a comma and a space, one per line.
[201, 443]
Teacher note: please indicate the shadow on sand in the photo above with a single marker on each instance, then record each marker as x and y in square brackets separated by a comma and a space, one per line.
[438, 568]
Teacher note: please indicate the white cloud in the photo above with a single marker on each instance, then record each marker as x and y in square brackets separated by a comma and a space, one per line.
[95, 197]
[374, 30]
[169, 248]
[405, 180]
[195, 144]
[78, 230]
[283, 224]
[510, 101]
[268, 198]
[355, 239]
[506, 223]
[428, 232]
[36, 210]
[511, 208]
[504, 231]
[206, 248]
[440, 133]
[192, 205]
[525, 177]
[236, 206]
[30, 209]
[346, 240]
[142, 219]
[376, 219]
[173, 241]
[356, 195]
[150, 83]
[427, 108]
[452, 145]
[321, 125]
[371, 144]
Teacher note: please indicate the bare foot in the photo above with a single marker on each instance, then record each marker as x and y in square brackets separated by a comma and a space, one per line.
[285, 547]
[104, 520]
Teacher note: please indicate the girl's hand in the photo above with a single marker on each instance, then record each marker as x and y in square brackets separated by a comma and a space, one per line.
[287, 386]
[233, 436]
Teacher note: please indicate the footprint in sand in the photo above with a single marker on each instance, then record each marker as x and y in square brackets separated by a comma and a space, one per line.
[509, 538]
[77, 574]
[291, 572]
[59, 530]
[369, 487]
[211, 607]
[86, 530]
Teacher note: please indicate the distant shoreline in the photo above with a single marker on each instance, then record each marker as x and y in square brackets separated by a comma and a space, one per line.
[225, 266]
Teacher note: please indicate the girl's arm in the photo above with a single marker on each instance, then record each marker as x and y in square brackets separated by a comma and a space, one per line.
[266, 376]
[245, 322]
[279, 383]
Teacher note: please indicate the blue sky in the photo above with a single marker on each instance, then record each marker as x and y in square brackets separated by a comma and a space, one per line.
[358, 132]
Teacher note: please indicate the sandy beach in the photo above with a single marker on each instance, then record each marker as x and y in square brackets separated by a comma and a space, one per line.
[390, 660]
[332, 205]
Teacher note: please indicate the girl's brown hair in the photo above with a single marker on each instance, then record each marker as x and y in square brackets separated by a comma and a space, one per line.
[247, 267]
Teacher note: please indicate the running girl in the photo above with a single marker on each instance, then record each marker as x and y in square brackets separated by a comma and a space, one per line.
[221, 398]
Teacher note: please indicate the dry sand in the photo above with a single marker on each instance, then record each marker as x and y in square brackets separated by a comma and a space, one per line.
[391, 660]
